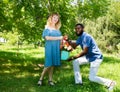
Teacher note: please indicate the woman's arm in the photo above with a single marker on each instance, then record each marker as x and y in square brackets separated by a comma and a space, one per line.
[53, 38]
[61, 45]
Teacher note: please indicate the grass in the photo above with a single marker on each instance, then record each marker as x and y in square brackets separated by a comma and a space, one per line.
[19, 72]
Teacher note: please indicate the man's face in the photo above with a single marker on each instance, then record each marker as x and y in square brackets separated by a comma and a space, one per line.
[78, 30]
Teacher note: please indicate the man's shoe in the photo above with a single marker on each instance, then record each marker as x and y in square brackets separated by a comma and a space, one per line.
[112, 85]
[79, 84]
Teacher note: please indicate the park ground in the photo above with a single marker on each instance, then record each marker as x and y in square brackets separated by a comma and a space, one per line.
[19, 72]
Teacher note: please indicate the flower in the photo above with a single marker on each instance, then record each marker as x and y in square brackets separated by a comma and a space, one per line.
[66, 45]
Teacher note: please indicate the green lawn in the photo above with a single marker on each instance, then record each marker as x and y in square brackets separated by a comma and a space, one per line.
[19, 72]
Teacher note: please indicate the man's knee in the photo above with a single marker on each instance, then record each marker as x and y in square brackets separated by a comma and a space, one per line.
[75, 62]
[92, 78]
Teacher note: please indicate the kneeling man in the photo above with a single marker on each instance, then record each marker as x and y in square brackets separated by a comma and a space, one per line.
[90, 54]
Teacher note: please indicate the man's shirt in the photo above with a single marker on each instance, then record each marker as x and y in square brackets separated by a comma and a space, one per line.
[86, 40]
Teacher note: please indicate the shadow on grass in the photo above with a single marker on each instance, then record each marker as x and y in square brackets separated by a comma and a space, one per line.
[17, 57]
[22, 48]
[18, 73]
[13, 63]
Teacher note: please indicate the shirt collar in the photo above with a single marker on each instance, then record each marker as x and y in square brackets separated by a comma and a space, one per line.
[82, 35]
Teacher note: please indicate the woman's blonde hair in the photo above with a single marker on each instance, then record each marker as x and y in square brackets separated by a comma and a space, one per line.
[49, 21]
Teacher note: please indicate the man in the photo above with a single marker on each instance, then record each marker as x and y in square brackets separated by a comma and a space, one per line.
[90, 54]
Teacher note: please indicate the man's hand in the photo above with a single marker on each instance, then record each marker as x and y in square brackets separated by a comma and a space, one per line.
[71, 58]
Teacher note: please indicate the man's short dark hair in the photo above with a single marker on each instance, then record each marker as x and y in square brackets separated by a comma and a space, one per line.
[79, 25]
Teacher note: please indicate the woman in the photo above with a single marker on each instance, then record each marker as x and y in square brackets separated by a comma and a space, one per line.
[53, 38]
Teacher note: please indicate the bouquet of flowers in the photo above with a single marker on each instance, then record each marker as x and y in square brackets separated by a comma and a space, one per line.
[66, 48]
[65, 44]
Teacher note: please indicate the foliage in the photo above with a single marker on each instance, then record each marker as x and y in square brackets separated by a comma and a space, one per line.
[114, 16]
[92, 9]
[105, 29]
[28, 18]
[102, 33]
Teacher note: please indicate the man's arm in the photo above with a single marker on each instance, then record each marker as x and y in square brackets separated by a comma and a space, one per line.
[73, 44]
[84, 52]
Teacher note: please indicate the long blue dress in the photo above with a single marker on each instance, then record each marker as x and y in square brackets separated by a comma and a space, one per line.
[52, 48]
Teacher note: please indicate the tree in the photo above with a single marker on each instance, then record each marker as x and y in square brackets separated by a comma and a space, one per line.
[114, 16]
[29, 17]
[92, 9]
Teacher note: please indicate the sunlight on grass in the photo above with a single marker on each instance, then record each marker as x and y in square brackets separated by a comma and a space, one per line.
[67, 67]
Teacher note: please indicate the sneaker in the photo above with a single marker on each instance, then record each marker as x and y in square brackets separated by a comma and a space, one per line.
[112, 85]
[79, 84]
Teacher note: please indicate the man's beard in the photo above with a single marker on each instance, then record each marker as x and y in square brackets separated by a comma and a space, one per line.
[79, 33]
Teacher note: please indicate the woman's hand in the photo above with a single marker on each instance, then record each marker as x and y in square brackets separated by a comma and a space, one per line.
[61, 37]
[65, 37]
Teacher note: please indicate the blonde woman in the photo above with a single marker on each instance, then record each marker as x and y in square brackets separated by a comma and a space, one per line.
[52, 36]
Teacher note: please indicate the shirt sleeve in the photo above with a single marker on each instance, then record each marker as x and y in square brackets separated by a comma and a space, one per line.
[45, 33]
[87, 41]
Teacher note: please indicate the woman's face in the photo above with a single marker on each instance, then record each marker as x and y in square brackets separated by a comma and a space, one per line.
[55, 19]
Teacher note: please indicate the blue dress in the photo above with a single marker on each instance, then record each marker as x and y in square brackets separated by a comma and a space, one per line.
[52, 48]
